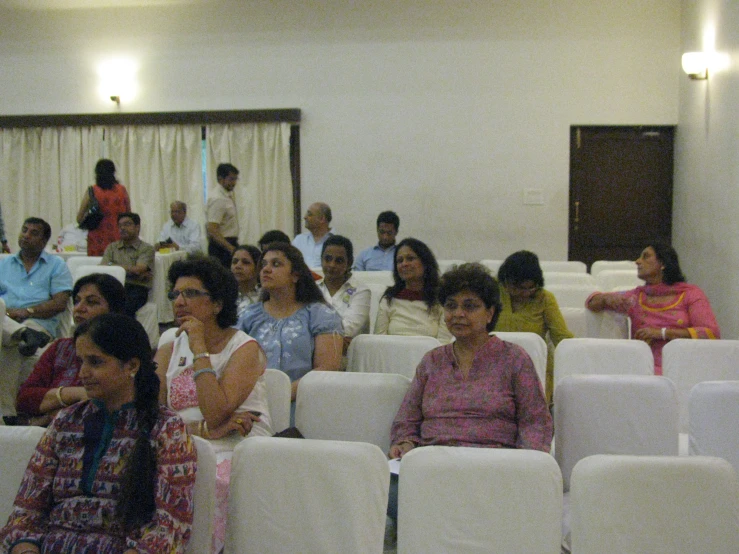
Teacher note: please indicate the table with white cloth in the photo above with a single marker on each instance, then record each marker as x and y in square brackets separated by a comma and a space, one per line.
[160, 288]
[66, 254]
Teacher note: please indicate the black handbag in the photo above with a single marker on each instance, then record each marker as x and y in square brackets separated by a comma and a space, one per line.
[94, 214]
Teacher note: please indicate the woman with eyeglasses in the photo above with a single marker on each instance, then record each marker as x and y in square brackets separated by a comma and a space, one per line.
[477, 391]
[527, 307]
[213, 374]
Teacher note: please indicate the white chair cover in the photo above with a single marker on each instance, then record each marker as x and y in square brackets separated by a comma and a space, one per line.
[376, 292]
[654, 504]
[576, 320]
[613, 414]
[78, 261]
[160, 284]
[115, 270]
[349, 406]
[601, 265]
[168, 336]
[608, 325]
[714, 412]
[602, 357]
[278, 398]
[688, 362]
[493, 266]
[610, 279]
[563, 266]
[374, 278]
[290, 495]
[535, 347]
[473, 500]
[446, 265]
[571, 296]
[17, 444]
[204, 498]
[388, 353]
[567, 278]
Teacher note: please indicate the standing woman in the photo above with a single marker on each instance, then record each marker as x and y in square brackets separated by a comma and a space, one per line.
[528, 308]
[113, 199]
[114, 473]
[244, 266]
[665, 308]
[410, 306]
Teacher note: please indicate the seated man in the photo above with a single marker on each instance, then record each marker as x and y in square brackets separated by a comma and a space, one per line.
[136, 257]
[310, 243]
[180, 232]
[380, 257]
[35, 287]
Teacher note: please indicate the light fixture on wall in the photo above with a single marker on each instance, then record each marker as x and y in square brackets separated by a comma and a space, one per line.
[116, 99]
[118, 79]
[695, 64]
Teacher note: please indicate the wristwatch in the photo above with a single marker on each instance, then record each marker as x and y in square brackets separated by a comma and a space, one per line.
[31, 311]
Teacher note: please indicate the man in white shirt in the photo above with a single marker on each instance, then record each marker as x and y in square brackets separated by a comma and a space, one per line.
[310, 243]
[222, 223]
[180, 232]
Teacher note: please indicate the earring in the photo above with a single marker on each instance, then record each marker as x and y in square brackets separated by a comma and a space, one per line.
[133, 375]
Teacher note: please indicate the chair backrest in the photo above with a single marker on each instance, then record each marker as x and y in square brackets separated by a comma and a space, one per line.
[278, 398]
[535, 347]
[493, 266]
[655, 504]
[572, 296]
[374, 278]
[576, 320]
[349, 406]
[567, 278]
[446, 265]
[17, 444]
[167, 337]
[388, 353]
[115, 270]
[465, 500]
[613, 414]
[570, 266]
[77, 261]
[608, 325]
[290, 495]
[376, 292]
[688, 362]
[204, 498]
[609, 279]
[601, 265]
[713, 410]
[602, 357]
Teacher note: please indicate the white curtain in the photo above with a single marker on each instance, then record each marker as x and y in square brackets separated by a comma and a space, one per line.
[158, 164]
[261, 152]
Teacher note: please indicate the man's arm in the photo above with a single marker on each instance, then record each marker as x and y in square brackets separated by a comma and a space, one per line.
[56, 304]
[214, 234]
[144, 262]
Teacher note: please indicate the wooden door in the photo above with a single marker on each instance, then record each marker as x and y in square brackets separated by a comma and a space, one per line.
[620, 191]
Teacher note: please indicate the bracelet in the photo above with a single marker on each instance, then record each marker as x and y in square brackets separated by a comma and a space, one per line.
[199, 372]
[59, 398]
[196, 357]
[203, 429]
[664, 333]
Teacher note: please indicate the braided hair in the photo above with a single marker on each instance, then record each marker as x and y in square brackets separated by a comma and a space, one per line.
[124, 338]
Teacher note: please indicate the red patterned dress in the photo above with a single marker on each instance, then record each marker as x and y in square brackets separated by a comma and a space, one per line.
[112, 201]
[67, 499]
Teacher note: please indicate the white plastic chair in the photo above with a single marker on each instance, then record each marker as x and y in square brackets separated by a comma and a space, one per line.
[388, 353]
[376, 292]
[571, 296]
[291, 495]
[601, 265]
[349, 406]
[471, 500]
[567, 278]
[168, 336]
[576, 320]
[655, 504]
[535, 347]
[82, 270]
[608, 325]
[446, 265]
[602, 357]
[278, 398]
[374, 277]
[688, 362]
[78, 261]
[17, 444]
[204, 498]
[610, 279]
[493, 266]
[713, 409]
[570, 266]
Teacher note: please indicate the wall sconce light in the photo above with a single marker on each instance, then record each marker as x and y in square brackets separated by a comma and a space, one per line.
[116, 99]
[118, 80]
[695, 64]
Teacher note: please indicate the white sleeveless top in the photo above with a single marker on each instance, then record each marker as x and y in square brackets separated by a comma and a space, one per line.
[181, 393]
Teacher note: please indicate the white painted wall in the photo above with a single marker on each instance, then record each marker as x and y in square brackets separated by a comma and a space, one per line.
[706, 201]
[443, 110]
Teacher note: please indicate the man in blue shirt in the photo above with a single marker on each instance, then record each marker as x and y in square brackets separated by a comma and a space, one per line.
[381, 256]
[310, 243]
[35, 288]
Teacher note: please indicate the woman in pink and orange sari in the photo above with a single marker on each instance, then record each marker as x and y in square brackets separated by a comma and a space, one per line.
[663, 309]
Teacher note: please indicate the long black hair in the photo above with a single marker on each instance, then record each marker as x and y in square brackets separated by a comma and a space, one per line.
[430, 272]
[124, 338]
[306, 290]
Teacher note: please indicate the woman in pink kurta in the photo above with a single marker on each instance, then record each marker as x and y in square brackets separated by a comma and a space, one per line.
[665, 308]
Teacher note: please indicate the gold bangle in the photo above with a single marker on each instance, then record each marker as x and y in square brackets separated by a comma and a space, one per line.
[62, 403]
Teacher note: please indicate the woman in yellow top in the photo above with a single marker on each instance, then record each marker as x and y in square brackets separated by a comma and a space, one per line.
[527, 307]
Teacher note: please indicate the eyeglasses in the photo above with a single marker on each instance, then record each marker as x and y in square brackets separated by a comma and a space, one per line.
[468, 307]
[187, 294]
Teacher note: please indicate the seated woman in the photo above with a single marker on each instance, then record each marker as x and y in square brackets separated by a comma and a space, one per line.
[665, 308]
[349, 298]
[114, 473]
[410, 306]
[293, 323]
[477, 391]
[54, 382]
[527, 307]
[214, 374]
[245, 268]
